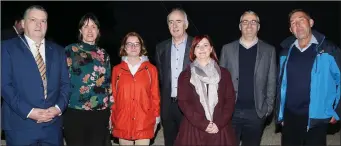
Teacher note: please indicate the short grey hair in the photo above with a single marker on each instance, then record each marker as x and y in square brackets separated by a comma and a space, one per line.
[249, 12]
[181, 11]
[37, 7]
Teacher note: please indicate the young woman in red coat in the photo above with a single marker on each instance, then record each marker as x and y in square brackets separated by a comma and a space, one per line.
[206, 98]
[135, 87]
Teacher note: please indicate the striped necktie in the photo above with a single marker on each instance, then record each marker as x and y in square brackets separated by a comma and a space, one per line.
[42, 68]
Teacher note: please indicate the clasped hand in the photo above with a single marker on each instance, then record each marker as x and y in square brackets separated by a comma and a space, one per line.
[44, 115]
[212, 128]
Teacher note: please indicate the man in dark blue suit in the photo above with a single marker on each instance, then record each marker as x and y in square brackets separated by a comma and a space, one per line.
[35, 85]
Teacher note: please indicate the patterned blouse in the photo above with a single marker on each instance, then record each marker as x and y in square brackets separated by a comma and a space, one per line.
[90, 74]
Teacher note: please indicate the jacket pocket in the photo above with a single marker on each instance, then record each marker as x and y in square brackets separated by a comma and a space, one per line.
[119, 119]
[146, 119]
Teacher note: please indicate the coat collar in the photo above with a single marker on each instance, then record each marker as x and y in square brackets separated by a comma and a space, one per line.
[291, 39]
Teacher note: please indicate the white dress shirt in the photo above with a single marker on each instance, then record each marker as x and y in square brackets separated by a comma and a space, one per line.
[34, 49]
[32, 46]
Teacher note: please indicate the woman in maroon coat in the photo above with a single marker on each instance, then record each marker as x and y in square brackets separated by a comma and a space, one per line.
[206, 98]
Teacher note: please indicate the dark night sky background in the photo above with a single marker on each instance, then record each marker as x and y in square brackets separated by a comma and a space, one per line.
[217, 19]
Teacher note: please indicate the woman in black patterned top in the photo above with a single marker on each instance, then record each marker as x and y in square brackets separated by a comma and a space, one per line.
[87, 117]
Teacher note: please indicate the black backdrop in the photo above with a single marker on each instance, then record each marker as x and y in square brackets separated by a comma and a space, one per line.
[217, 19]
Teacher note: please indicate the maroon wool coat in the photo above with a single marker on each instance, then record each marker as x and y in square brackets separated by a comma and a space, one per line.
[193, 126]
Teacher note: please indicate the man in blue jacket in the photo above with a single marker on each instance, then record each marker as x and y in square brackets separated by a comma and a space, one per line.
[35, 85]
[309, 84]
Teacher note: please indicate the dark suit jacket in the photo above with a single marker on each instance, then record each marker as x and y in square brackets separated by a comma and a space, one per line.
[264, 75]
[163, 63]
[8, 34]
[22, 86]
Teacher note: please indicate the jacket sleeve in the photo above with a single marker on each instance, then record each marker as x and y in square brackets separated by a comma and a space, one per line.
[9, 90]
[64, 83]
[155, 92]
[114, 79]
[271, 84]
[223, 59]
[158, 64]
[187, 105]
[280, 72]
[337, 77]
[114, 93]
[228, 105]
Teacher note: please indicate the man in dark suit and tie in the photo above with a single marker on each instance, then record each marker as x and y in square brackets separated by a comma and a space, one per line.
[172, 57]
[14, 31]
[35, 85]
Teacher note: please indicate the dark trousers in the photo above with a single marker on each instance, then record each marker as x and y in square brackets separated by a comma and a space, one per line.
[44, 136]
[86, 128]
[2, 131]
[34, 144]
[248, 127]
[172, 123]
[294, 131]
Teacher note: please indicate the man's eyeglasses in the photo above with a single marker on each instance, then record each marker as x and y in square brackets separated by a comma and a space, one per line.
[246, 22]
[129, 45]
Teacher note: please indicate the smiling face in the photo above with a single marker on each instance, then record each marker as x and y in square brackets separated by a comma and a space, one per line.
[177, 24]
[35, 24]
[203, 49]
[89, 32]
[133, 46]
[249, 25]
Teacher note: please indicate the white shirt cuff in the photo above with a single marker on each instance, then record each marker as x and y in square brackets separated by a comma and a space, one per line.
[158, 119]
[58, 109]
[30, 112]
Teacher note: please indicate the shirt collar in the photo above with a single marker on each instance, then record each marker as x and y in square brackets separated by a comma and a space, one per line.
[31, 42]
[143, 59]
[125, 59]
[313, 40]
[183, 41]
[253, 43]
